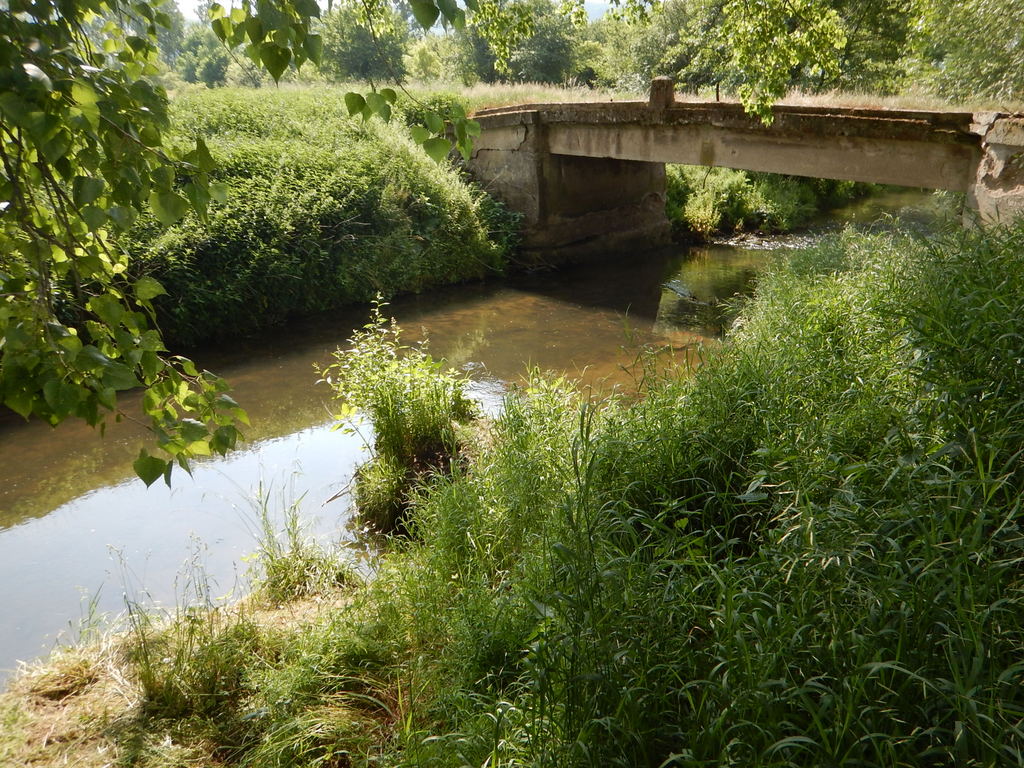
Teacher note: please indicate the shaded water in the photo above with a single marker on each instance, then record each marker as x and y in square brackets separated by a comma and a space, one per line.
[77, 529]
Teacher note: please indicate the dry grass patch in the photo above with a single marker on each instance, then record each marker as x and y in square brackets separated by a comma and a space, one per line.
[84, 706]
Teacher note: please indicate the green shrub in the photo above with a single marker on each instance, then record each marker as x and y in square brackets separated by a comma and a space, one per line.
[322, 211]
[414, 109]
[288, 564]
[706, 201]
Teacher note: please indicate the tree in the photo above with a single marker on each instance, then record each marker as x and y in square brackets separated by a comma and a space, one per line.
[81, 154]
[424, 60]
[203, 59]
[543, 51]
[547, 54]
[170, 39]
[361, 47]
[975, 47]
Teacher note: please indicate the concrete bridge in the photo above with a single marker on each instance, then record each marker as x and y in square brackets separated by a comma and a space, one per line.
[590, 177]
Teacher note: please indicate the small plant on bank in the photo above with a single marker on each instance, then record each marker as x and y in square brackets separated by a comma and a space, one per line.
[414, 404]
[289, 564]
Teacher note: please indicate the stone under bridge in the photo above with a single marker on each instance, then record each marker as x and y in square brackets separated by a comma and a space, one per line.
[590, 177]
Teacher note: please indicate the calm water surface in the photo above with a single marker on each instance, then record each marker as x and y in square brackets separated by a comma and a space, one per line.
[79, 533]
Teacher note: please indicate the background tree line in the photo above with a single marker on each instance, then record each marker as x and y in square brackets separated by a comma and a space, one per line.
[956, 50]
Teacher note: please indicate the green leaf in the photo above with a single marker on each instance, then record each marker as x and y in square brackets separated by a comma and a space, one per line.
[202, 156]
[85, 190]
[108, 309]
[275, 58]
[14, 108]
[438, 148]
[123, 216]
[219, 191]
[375, 101]
[379, 106]
[426, 12]
[308, 8]
[222, 28]
[199, 196]
[313, 45]
[419, 133]
[84, 94]
[20, 402]
[146, 289]
[434, 122]
[355, 103]
[448, 8]
[119, 376]
[270, 14]
[37, 75]
[94, 217]
[255, 32]
[389, 95]
[169, 207]
[163, 177]
[193, 430]
[149, 468]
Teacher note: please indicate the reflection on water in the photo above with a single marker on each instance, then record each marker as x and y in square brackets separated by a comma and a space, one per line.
[74, 521]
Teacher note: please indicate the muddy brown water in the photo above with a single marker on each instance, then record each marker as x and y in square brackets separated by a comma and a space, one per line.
[80, 536]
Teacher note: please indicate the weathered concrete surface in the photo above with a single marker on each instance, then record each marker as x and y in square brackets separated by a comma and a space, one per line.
[998, 191]
[590, 177]
[572, 207]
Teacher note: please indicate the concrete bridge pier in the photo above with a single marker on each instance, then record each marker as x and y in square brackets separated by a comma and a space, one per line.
[572, 207]
[997, 189]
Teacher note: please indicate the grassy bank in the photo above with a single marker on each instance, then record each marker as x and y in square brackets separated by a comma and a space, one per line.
[321, 211]
[701, 202]
[808, 553]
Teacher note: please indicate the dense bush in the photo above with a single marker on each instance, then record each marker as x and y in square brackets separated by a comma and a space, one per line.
[322, 210]
[706, 201]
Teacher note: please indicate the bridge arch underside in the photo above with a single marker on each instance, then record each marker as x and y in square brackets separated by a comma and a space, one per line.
[590, 179]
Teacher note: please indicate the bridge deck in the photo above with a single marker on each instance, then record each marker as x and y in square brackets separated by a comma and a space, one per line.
[933, 149]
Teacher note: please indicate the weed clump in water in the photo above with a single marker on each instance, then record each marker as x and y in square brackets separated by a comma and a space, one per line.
[415, 405]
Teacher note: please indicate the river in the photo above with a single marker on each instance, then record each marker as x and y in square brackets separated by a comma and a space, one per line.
[79, 535]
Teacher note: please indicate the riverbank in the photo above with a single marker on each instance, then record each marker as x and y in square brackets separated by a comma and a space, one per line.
[322, 211]
[804, 554]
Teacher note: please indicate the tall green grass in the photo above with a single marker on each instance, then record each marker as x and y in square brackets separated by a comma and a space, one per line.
[807, 553]
[415, 405]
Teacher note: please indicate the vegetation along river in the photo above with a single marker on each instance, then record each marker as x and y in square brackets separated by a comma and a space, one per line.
[80, 535]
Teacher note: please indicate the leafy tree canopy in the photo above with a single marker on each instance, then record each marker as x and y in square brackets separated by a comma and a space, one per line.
[203, 58]
[82, 152]
[358, 47]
